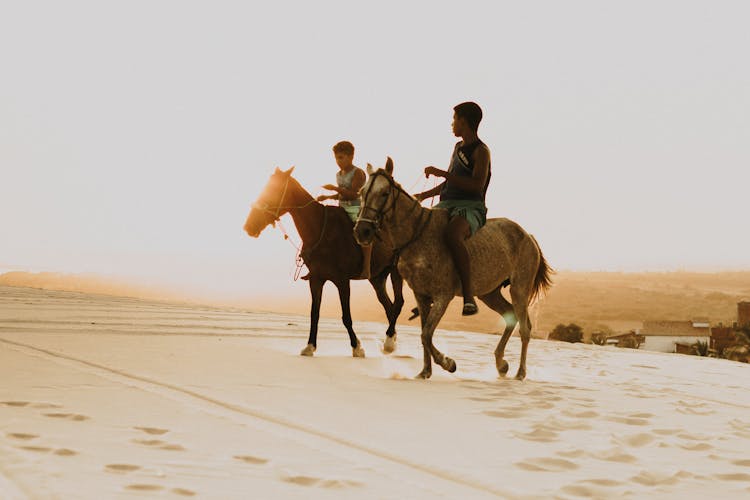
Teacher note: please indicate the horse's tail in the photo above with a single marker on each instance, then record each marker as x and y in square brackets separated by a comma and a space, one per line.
[543, 278]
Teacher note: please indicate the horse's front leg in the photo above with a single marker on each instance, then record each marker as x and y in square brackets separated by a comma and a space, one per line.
[346, 318]
[316, 292]
[378, 284]
[397, 282]
[434, 313]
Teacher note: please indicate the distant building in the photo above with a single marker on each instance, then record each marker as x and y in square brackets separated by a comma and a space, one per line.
[743, 313]
[630, 340]
[721, 338]
[663, 336]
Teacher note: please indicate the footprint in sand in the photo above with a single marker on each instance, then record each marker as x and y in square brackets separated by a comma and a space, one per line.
[21, 404]
[183, 492]
[694, 411]
[541, 405]
[740, 476]
[697, 447]
[251, 459]
[144, 487]
[580, 414]
[121, 467]
[628, 420]
[509, 413]
[636, 440]
[172, 447]
[547, 465]
[610, 483]
[158, 443]
[571, 453]
[22, 436]
[586, 491]
[65, 452]
[154, 431]
[650, 478]
[741, 429]
[322, 483]
[666, 432]
[69, 416]
[742, 463]
[614, 455]
[539, 435]
[45, 406]
[559, 424]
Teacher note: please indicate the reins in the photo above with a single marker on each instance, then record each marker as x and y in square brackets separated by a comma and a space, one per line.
[383, 212]
[299, 258]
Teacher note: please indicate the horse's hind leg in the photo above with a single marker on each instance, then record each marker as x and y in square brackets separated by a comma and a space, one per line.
[521, 307]
[497, 303]
[346, 318]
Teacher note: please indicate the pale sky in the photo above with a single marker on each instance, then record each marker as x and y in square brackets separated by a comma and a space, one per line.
[134, 135]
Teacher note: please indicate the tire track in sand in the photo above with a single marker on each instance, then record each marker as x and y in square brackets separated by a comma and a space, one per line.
[448, 481]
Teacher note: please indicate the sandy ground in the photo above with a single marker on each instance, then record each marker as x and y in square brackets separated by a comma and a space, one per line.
[121, 398]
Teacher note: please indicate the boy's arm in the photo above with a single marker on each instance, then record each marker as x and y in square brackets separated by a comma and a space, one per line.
[474, 183]
[430, 192]
[357, 182]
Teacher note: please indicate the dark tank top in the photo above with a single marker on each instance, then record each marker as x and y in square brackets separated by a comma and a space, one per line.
[462, 165]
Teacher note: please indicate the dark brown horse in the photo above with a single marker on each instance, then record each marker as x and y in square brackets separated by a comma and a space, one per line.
[330, 253]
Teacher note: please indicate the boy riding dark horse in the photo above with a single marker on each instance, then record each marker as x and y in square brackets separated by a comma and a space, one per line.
[349, 180]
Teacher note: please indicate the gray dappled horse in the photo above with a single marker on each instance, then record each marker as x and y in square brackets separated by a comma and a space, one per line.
[501, 254]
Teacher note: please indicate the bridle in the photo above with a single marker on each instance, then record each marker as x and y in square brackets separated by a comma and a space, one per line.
[301, 252]
[382, 212]
[387, 211]
[264, 207]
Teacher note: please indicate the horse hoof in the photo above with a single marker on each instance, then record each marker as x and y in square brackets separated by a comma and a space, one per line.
[520, 375]
[423, 375]
[358, 352]
[502, 367]
[449, 364]
[390, 344]
[308, 351]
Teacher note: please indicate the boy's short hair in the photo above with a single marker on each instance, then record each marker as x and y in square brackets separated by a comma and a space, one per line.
[344, 147]
[471, 112]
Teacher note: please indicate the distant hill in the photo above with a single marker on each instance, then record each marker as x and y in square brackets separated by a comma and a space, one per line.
[87, 283]
[610, 301]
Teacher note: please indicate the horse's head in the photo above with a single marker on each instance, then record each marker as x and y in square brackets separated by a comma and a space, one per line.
[270, 205]
[378, 199]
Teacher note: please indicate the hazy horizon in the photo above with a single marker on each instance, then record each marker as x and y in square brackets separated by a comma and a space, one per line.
[133, 137]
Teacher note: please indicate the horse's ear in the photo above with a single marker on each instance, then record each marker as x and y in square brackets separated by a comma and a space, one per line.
[289, 172]
[389, 166]
[370, 169]
[277, 171]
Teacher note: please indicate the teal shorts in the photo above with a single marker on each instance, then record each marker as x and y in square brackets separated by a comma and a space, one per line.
[475, 212]
[352, 212]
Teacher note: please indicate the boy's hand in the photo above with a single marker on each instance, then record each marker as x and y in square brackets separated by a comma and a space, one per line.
[428, 171]
[331, 187]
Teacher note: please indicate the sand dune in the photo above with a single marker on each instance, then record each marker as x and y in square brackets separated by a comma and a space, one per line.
[608, 301]
[107, 397]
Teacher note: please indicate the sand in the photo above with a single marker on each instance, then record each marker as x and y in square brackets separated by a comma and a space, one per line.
[106, 397]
